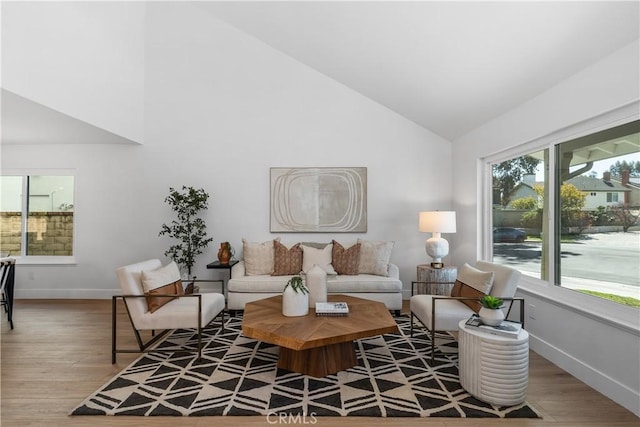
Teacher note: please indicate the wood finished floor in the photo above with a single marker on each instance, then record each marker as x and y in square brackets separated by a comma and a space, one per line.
[59, 353]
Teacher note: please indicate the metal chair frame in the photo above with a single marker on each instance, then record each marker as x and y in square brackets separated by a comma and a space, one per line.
[7, 283]
[145, 347]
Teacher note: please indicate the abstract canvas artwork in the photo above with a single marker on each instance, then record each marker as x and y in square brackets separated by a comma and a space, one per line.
[319, 200]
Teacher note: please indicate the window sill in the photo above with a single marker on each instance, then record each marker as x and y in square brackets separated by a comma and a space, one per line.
[45, 260]
[617, 315]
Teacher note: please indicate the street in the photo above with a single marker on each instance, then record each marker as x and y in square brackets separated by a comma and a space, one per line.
[613, 258]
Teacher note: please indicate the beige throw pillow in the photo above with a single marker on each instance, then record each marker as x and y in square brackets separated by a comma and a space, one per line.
[374, 257]
[162, 281]
[258, 257]
[322, 257]
[472, 283]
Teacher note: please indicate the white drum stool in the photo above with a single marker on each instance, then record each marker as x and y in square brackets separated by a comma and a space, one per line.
[493, 368]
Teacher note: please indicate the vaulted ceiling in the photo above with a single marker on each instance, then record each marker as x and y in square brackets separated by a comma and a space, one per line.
[448, 66]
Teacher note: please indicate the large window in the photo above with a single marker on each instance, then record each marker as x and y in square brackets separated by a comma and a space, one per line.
[568, 213]
[37, 215]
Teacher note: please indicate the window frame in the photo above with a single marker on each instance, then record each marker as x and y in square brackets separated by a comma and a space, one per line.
[43, 259]
[603, 310]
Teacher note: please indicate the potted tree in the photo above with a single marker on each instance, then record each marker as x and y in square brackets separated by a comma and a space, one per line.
[491, 312]
[295, 298]
[188, 228]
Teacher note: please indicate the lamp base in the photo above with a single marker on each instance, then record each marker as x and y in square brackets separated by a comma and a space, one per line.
[437, 265]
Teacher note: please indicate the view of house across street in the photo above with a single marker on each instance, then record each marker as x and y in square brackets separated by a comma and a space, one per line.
[595, 221]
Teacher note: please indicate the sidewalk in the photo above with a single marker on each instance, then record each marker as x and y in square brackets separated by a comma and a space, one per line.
[600, 286]
[597, 286]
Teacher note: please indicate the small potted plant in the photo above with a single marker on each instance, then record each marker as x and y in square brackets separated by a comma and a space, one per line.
[491, 312]
[295, 298]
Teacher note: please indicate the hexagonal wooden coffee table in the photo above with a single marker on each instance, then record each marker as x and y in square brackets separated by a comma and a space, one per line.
[315, 345]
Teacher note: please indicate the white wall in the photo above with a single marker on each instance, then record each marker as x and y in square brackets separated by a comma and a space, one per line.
[601, 353]
[220, 109]
[84, 59]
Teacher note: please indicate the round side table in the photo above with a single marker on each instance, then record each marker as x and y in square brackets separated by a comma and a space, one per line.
[493, 368]
[437, 277]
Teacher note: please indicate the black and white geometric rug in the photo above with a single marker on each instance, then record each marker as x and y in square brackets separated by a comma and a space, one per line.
[238, 376]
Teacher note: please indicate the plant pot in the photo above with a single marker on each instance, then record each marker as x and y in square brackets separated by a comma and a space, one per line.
[492, 317]
[294, 303]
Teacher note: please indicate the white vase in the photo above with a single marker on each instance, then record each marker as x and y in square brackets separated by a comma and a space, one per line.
[492, 317]
[317, 284]
[294, 303]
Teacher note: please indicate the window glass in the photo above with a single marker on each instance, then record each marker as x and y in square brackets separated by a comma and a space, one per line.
[46, 214]
[599, 248]
[518, 210]
[10, 215]
[590, 242]
[50, 216]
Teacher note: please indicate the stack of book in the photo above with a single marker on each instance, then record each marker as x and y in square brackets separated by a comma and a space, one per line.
[506, 329]
[332, 309]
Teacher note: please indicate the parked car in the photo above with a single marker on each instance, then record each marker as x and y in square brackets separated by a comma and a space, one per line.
[509, 234]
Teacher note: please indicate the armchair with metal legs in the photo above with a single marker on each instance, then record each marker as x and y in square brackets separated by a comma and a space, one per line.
[191, 311]
[443, 313]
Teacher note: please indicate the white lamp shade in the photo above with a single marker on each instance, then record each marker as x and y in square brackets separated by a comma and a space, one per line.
[437, 222]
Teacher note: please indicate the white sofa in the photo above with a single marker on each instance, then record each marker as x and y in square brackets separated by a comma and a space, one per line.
[361, 269]
[386, 289]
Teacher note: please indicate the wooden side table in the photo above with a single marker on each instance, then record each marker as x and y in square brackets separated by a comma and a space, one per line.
[493, 368]
[438, 278]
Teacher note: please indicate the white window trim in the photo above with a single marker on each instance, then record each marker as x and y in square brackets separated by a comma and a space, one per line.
[47, 260]
[603, 310]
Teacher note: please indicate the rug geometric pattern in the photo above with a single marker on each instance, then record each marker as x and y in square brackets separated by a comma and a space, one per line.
[238, 376]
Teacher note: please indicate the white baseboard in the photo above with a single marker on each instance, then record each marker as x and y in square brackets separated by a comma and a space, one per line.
[614, 390]
[66, 293]
[86, 293]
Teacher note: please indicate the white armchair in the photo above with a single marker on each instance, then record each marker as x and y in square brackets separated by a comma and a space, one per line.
[443, 313]
[192, 311]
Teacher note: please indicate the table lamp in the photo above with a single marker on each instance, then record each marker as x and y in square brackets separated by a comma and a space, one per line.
[437, 222]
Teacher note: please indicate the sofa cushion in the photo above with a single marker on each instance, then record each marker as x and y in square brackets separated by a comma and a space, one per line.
[286, 261]
[370, 283]
[322, 257]
[449, 312]
[161, 281]
[345, 261]
[258, 257]
[258, 284]
[374, 257]
[337, 284]
[184, 312]
[472, 283]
